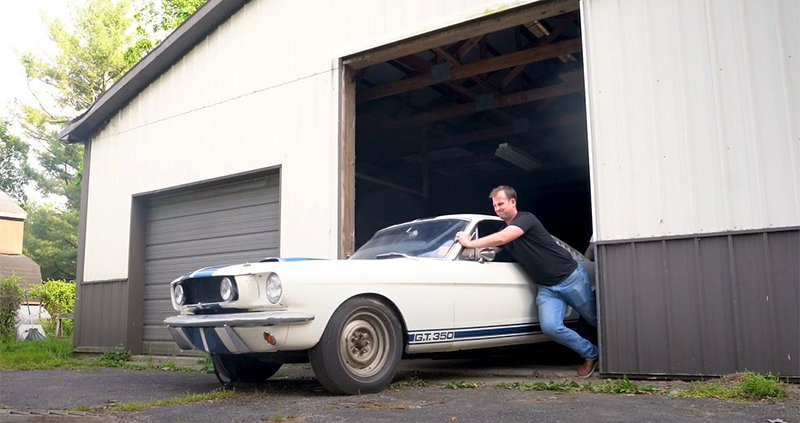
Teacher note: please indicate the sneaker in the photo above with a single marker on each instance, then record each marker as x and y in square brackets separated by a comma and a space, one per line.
[587, 368]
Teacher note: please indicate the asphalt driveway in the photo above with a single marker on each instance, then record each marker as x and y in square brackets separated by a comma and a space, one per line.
[293, 395]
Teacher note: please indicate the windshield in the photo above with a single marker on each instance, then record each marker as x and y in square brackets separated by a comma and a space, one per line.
[429, 239]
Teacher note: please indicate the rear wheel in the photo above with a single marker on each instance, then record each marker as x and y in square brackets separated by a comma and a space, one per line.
[360, 349]
[233, 368]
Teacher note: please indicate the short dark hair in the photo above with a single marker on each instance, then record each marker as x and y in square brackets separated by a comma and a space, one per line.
[510, 193]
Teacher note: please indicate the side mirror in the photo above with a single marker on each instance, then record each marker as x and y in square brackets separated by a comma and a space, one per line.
[488, 254]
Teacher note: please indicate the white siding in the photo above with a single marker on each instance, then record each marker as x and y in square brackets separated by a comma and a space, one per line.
[693, 115]
[260, 91]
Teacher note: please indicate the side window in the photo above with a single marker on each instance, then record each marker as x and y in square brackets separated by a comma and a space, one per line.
[486, 227]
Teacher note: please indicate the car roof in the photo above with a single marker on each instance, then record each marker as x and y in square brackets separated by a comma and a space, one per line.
[463, 216]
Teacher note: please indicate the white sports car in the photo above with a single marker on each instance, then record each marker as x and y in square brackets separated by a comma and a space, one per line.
[409, 290]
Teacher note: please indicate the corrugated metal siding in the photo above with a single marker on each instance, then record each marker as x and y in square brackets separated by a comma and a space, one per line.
[103, 315]
[701, 306]
[225, 224]
[694, 115]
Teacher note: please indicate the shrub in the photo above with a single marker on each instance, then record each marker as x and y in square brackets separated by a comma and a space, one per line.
[58, 297]
[10, 299]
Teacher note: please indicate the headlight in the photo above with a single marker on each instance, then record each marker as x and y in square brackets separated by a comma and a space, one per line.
[227, 289]
[177, 295]
[274, 288]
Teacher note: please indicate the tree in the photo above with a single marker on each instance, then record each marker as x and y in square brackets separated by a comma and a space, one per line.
[102, 42]
[51, 240]
[14, 171]
[155, 23]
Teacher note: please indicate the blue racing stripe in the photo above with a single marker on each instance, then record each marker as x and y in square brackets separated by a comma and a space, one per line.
[206, 271]
[215, 344]
[194, 337]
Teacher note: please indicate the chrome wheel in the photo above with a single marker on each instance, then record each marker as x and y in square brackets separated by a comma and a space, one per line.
[362, 344]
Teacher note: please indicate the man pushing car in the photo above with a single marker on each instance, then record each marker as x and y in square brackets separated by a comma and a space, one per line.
[561, 280]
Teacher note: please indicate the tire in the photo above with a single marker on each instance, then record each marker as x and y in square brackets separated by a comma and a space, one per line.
[360, 349]
[233, 368]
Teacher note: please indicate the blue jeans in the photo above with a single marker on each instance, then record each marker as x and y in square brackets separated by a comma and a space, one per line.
[552, 302]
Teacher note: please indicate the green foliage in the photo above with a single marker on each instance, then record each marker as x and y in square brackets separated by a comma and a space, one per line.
[758, 386]
[410, 382]
[39, 355]
[752, 386]
[10, 299]
[206, 364]
[619, 386]
[154, 23]
[220, 393]
[14, 171]
[57, 297]
[89, 54]
[540, 386]
[51, 240]
[113, 359]
[461, 385]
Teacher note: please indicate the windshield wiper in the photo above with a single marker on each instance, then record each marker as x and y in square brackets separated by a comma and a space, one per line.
[394, 255]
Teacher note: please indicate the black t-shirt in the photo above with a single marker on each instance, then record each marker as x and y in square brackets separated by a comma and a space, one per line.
[537, 252]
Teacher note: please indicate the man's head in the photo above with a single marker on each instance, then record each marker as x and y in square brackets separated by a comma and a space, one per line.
[504, 201]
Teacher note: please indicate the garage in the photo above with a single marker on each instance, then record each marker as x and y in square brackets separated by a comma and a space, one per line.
[225, 223]
[437, 128]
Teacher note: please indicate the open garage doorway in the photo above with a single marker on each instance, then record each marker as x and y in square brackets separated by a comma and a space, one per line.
[442, 119]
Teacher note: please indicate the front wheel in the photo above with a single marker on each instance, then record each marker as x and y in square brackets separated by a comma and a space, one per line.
[233, 368]
[360, 349]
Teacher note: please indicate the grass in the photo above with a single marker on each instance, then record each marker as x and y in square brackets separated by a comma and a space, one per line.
[618, 386]
[409, 382]
[279, 418]
[56, 353]
[750, 386]
[216, 394]
[39, 355]
[461, 385]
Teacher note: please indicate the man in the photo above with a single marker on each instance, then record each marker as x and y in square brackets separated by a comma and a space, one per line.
[562, 281]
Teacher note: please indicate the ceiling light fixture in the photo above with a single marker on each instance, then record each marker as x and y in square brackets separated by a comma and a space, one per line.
[517, 157]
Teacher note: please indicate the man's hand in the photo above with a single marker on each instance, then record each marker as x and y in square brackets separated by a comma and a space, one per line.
[463, 238]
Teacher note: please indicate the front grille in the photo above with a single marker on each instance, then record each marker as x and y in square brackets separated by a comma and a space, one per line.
[204, 290]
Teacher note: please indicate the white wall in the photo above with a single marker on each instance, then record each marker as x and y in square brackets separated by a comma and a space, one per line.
[693, 115]
[260, 91]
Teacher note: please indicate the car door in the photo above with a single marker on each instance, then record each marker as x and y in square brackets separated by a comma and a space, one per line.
[494, 302]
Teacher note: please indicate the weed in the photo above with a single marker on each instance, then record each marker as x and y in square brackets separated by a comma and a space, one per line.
[618, 386]
[113, 359]
[221, 393]
[540, 386]
[752, 386]
[758, 386]
[280, 418]
[461, 385]
[207, 364]
[410, 382]
[82, 407]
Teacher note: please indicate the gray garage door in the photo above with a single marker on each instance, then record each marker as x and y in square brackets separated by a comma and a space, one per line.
[224, 224]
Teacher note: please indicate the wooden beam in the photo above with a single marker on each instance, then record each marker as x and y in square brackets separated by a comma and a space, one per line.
[347, 164]
[476, 68]
[539, 42]
[481, 26]
[464, 49]
[470, 108]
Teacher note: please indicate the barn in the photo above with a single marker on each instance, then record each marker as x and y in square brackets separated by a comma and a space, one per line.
[669, 130]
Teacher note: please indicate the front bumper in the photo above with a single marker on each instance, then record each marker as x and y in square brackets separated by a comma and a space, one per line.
[235, 333]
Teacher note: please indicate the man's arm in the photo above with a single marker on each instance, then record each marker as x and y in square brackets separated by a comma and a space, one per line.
[508, 234]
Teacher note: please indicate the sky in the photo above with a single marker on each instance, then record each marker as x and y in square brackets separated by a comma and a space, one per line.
[21, 30]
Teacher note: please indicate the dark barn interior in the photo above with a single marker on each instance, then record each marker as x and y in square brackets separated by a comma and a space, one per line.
[438, 129]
